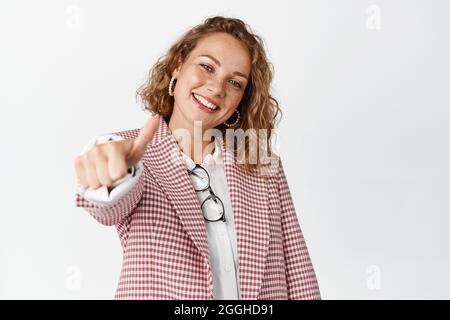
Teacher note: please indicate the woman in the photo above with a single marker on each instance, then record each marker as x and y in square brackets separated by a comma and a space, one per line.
[197, 220]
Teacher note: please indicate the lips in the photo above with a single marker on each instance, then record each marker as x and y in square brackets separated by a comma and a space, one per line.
[204, 107]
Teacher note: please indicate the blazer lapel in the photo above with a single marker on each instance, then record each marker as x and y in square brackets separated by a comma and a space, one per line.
[164, 160]
[248, 195]
[249, 200]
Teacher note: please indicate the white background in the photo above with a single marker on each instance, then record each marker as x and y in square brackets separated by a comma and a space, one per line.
[364, 86]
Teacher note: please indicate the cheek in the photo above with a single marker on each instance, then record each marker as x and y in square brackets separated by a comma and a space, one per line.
[235, 98]
[193, 78]
[231, 104]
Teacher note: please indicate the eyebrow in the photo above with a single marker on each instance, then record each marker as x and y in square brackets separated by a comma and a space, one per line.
[218, 63]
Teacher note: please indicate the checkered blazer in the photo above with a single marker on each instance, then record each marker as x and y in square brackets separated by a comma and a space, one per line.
[164, 240]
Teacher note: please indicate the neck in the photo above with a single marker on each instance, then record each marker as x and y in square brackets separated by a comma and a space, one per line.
[189, 137]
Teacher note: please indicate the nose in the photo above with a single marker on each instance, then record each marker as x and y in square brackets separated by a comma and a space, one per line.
[216, 87]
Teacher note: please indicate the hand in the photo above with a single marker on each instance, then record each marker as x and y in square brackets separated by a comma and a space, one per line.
[104, 164]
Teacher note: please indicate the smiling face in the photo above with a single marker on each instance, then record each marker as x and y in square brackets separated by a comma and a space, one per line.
[217, 70]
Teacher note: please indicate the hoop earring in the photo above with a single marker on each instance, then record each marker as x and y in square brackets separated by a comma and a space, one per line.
[235, 122]
[170, 86]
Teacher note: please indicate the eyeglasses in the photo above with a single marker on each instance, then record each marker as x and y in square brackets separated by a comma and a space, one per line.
[212, 207]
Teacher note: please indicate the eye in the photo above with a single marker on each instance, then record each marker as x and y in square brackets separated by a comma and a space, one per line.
[209, 69]
[236, 84]
[205, 65]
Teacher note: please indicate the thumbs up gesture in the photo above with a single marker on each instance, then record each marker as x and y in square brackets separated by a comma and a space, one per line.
[107, 163]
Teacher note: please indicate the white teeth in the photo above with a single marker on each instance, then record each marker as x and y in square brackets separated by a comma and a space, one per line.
[205, 102]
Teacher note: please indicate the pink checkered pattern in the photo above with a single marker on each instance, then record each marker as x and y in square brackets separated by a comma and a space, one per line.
[163, 236]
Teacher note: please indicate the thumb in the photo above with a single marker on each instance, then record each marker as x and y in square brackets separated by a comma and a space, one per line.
[144, 137]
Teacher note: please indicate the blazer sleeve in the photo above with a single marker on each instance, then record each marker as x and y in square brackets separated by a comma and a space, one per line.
[109, 207]
[300, 275]
[112, 213]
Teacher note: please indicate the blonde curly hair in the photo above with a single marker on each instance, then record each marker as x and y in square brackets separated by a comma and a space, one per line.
[258, 109]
